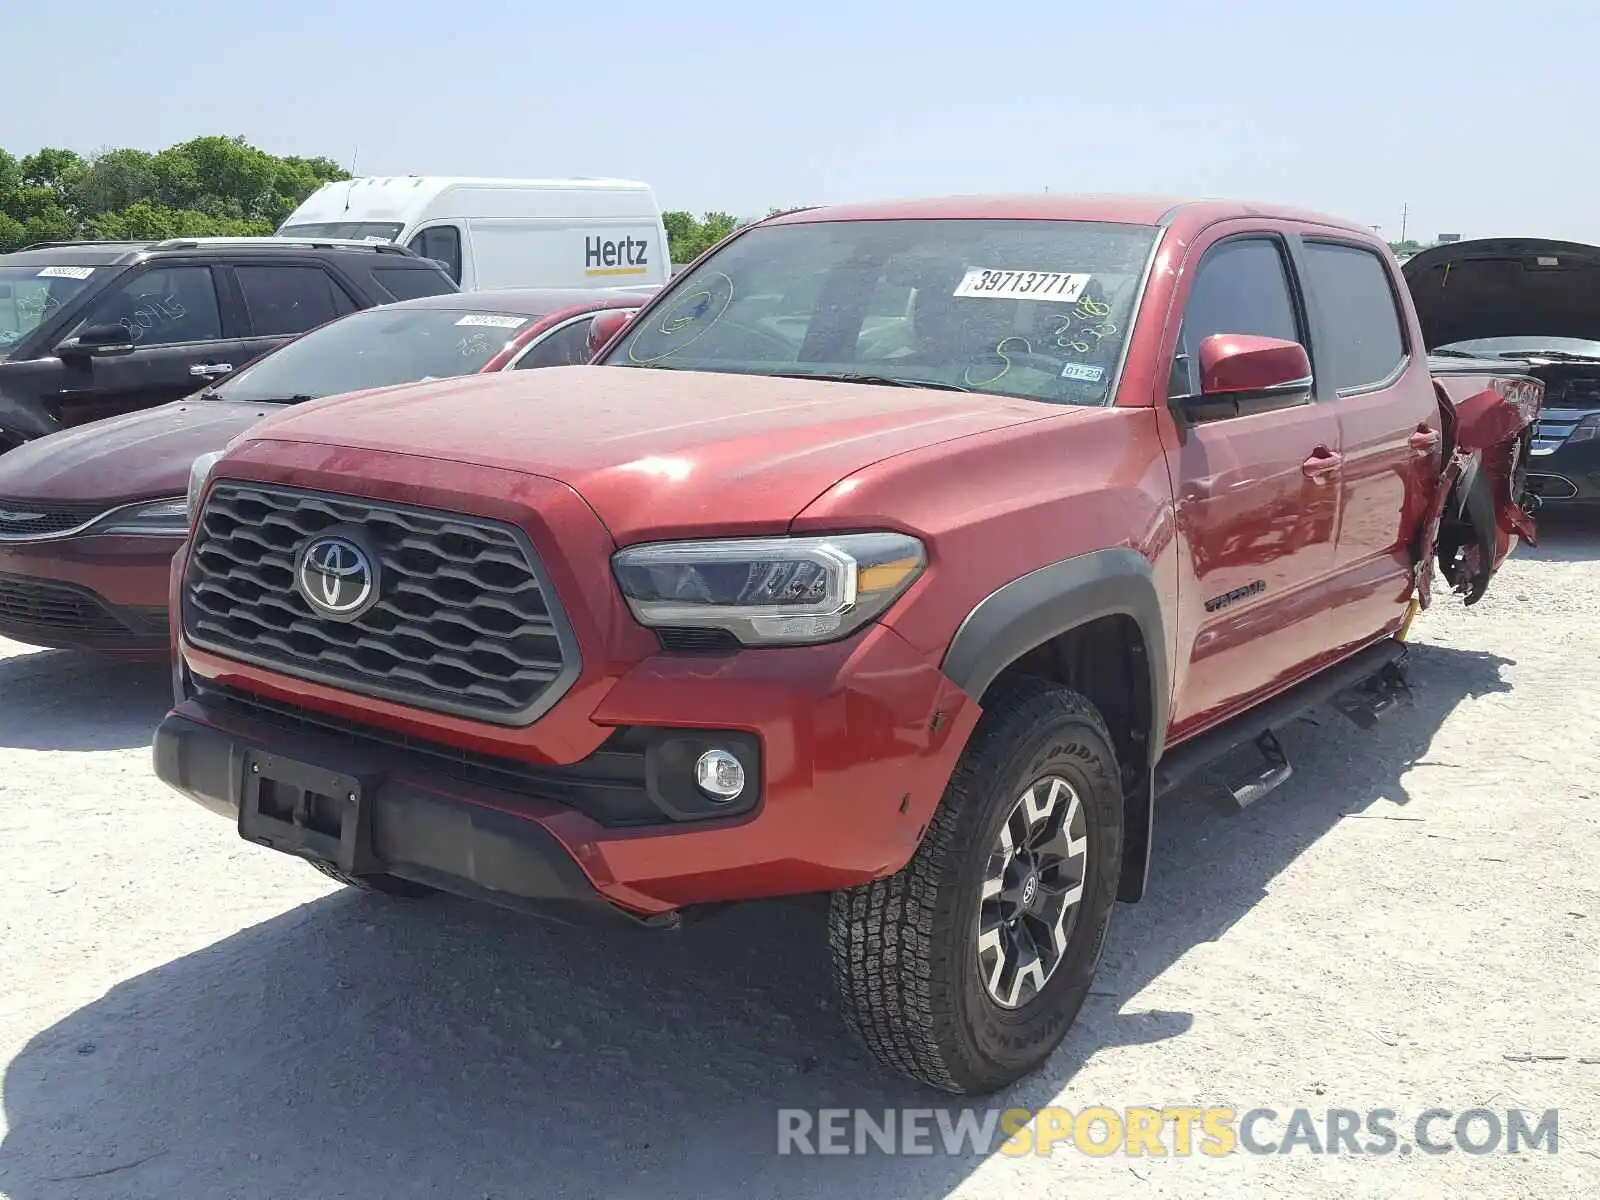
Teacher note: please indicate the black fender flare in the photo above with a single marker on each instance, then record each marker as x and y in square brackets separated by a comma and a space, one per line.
[1056, 599]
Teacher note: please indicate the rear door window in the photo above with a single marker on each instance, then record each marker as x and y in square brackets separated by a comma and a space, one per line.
[162, 306]
[1361, 343]
[289, 299]
[411, 283]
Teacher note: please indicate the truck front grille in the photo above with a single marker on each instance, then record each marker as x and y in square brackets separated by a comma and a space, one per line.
[464, 621]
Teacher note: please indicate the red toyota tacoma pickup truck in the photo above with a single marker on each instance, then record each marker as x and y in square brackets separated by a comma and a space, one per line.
[902, 552]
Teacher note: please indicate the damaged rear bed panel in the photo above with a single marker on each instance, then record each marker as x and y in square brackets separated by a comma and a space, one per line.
[1478, 513]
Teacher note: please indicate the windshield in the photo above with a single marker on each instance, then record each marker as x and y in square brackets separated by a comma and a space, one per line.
[375, 348]
[1035, 309]
[1496, 347]
[381, 231]
[30, 294]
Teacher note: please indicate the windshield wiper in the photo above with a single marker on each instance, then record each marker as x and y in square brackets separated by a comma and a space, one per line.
[1455, 353]
[884, 380]
[298, 398]
[1552, 355]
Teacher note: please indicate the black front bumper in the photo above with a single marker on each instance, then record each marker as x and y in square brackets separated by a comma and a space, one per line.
[1569, 476]
[312, 796]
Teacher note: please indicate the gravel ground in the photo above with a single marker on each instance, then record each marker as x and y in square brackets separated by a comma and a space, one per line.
[1412, 921]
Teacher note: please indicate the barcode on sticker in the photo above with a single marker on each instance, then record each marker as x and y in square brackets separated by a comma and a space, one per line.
[1022, 285]
[1084, 372]
[492, 321]
[65, 273]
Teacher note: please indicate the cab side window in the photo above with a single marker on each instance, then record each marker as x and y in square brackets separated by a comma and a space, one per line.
[443, 243]
[566, 347]
[163, 306]
[1241, 286]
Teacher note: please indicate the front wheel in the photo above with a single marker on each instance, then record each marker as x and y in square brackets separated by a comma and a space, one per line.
[965, 969]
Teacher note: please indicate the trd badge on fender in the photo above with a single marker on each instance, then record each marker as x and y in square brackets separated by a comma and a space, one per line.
[337, 577]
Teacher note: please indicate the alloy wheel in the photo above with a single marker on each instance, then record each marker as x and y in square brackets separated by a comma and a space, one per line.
[1032, 886]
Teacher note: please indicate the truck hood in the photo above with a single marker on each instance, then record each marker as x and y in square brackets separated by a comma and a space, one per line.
[1505, 287]
[142, 455]
[656, 453]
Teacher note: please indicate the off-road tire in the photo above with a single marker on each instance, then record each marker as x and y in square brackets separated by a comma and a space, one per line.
[387, 885]
[905, 947]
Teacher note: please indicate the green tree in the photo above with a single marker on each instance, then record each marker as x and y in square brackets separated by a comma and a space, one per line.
[52, 170]
[689, 238]
[221, 176]
[50, 223]
[114, 180]
[297, 178]
[682, 230]
[10, 179]
[207, 186]
[11, 231]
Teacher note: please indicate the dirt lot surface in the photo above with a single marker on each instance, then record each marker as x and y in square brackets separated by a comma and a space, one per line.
[1412, 922]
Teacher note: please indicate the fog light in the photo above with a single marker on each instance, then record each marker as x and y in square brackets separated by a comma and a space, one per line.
[720, 775]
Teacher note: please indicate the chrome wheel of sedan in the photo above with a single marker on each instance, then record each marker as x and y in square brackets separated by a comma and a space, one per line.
[1032, 887]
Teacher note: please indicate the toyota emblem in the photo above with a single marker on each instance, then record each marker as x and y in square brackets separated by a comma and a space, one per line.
[337, 577]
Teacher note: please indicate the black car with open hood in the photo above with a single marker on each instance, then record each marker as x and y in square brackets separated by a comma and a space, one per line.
[1536, 301]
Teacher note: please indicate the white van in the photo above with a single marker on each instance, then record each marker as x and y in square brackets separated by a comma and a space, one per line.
[498, 233]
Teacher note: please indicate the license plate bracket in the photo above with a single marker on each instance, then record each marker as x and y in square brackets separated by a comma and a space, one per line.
[300, 808]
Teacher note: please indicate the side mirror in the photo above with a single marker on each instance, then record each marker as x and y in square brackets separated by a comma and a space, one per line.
[1241, 373]
[606, 326]
[97, 341]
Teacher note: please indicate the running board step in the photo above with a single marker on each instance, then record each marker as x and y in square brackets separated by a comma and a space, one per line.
[1370, 701]
[1205, 753]
[1270, 770]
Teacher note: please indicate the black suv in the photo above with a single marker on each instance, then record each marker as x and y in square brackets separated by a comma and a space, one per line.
[94, 329]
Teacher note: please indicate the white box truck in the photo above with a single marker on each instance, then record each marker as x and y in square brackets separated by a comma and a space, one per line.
[498, 233]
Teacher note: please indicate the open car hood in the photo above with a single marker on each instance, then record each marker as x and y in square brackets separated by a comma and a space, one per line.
[1505, 287]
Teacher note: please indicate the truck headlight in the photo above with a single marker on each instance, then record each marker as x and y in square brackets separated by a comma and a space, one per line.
[782, 591]
[199, 476]
[158, 518]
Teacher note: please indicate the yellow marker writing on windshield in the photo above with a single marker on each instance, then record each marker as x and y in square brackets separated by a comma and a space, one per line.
[1000, 352]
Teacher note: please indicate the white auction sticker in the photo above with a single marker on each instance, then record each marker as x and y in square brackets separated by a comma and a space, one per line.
[65, 273]
[492, 321]
[1022, 285]
[1083, 371]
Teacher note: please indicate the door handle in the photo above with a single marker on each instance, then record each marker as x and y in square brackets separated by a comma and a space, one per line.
[1322, 463]
[1424, 439]
[210, 370]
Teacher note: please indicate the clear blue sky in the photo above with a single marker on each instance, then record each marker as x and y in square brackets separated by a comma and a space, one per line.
[1479, 115]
